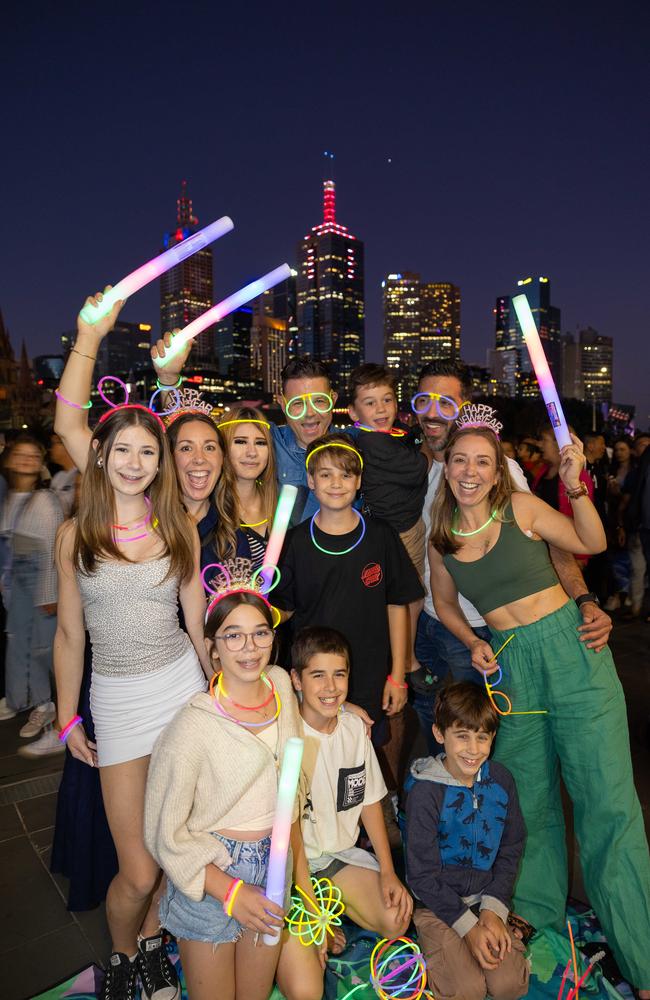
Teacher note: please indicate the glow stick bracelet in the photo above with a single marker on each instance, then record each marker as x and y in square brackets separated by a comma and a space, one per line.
[287, 788]
[65, 732]
[542, 370]
[222, 309]
[281, 520]
[155, 267]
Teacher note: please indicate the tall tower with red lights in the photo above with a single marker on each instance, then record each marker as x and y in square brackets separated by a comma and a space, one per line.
[330, 293]
[186, 290]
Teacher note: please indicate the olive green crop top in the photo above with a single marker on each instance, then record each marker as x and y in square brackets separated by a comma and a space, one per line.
[516, 567]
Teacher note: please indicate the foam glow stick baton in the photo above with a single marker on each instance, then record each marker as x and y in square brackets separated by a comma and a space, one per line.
[154, 268]
[542, 370]
[222, 309]
[280, 836]
[281, 520]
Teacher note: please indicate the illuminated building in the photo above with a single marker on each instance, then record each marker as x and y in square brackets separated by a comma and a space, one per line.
[274, 334]
[421, 324]
[596, 364]
[233, 346]
[125, 349]
[440, 324]
[402, 325]
[515, 368]
[186, 290]
[330, 293]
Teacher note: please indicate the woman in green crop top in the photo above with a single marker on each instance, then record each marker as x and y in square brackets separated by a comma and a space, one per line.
[489, 543]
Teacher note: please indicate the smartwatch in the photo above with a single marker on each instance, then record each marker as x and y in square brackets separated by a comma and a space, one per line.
[589, 598]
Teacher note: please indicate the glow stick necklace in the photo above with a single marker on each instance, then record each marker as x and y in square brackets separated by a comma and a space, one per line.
[280, 836]
[249, 725]
[395, 432]
[247, 708]
[155, 267]
[134, 527]
[222, 309]
[466, 534]
[343, 552]
[542, 370]
[256, 524]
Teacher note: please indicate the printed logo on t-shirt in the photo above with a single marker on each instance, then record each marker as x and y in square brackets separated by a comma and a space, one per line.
[352, 787]
[371, 575]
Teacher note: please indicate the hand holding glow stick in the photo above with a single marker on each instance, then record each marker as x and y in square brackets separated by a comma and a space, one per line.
[281, 520]
[542, 370]
[280, 836]
[222, 309]
[155, 267]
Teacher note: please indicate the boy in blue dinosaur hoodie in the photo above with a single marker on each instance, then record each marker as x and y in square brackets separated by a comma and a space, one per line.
[464, 837]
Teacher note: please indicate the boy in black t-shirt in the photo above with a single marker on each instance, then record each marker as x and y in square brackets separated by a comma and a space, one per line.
[343, 571]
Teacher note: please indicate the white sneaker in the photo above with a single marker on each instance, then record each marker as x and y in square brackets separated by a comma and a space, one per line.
[5, 711]
[48, 744]
[38, 719]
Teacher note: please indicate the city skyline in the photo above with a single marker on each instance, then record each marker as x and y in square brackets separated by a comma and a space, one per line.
[91, 184]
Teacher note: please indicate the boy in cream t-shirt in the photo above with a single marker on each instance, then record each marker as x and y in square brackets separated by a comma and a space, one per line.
[341, 787]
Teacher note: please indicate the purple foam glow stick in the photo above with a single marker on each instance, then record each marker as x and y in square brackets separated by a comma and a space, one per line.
[280, 837]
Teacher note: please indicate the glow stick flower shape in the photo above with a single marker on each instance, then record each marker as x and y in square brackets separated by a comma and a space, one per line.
[154, 268]
[287, 788]
[542, 370]
[281, 520]
[309, 923]
[393, 978]
[222, 309]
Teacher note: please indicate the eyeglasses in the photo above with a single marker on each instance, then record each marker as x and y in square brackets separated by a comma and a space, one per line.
[296, 407]
[446, 408]
[236, 641]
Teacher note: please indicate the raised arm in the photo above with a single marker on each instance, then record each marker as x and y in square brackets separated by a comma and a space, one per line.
[69, 645]
[71, 417]
[168, 374]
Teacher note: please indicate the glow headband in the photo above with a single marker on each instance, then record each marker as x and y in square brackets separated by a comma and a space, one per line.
[333, 444]
[542, 371]
[134, 406]
[264, 423]
[154, 268]
[222, 309]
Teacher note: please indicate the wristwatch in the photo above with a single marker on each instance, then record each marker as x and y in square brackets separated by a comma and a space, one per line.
[589, 598]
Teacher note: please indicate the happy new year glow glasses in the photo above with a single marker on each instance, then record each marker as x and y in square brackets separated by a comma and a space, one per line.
[446, 408]
[296, 407]
[236, 641]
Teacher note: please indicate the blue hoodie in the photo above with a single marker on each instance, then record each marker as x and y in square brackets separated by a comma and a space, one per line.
[463, 845]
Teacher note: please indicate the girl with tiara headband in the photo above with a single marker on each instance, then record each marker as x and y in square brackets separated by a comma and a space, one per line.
[124, 563]
[562, 703]
[211, 799]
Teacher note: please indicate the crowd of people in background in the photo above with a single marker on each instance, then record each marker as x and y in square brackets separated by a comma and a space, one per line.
[421, 541]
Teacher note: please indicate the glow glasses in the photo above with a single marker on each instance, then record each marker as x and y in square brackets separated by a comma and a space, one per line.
[236, 641]
[446, 408]
[296, 407]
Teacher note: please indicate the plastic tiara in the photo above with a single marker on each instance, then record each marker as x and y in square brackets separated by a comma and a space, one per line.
[126, 405]
[235, 577]
[191, 400]
[479, 415]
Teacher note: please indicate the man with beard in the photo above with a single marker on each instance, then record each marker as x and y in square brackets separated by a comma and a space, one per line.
[436, 649]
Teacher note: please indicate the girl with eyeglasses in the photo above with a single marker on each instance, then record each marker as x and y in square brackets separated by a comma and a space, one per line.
[210, 803]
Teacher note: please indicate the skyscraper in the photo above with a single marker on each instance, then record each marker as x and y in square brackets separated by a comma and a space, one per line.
[233, 346]
[402, 326]
[597, 365]
[330, 293]
[124, 349]
[515, 368]
[421, 323]
[186, 290]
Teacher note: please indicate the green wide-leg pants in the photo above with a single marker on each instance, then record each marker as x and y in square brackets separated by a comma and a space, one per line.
[585, 737]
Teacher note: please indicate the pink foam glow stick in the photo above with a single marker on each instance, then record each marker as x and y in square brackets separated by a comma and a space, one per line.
[281, 834]
[542, 370]
[283, 512]
[154, 268]
[222, 309]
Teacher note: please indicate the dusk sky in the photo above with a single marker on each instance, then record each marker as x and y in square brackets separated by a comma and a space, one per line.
[475, 143]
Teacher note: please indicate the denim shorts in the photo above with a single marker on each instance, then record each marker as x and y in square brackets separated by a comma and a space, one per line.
[206, 920]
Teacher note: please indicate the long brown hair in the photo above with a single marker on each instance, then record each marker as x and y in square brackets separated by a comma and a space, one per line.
[94, 538]
[444, 502]
[225, 494]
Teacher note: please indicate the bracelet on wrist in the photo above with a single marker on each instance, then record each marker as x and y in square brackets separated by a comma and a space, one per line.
[229, 898]
[397, 684]
[75, 406]
[165, 385]
[580, 491]
[91, 357]
[67, 729]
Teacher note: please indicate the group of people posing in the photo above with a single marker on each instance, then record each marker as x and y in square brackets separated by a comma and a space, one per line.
[415, 554]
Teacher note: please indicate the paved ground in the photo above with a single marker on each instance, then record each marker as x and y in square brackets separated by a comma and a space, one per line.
[42, 943]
